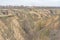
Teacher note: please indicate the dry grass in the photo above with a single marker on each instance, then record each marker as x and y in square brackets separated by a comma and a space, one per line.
[29, 24]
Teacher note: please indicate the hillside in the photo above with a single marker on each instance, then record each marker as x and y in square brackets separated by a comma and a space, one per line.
[29, 23]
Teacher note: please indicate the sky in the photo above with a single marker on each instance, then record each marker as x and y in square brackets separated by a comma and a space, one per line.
[30, 2]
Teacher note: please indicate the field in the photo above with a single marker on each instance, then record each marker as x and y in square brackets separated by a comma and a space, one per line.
[29, 23]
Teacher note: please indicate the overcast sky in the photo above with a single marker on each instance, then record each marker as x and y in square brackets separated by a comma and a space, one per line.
[31, 2]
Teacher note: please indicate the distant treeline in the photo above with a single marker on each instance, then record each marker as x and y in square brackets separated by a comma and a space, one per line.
[27, 7]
